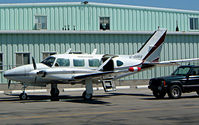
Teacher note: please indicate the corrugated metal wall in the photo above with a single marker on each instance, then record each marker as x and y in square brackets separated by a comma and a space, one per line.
[175, 47]
[86, 17]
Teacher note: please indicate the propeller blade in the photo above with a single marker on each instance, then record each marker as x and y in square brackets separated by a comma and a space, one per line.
[9, 82]
[34, 64]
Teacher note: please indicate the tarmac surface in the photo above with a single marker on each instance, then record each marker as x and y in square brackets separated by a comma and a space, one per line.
[123, 107]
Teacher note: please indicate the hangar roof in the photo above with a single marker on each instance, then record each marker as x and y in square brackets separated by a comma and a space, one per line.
[95, 4]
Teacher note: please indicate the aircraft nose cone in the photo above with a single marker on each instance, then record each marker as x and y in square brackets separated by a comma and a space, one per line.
[7, 73]
[13, 73]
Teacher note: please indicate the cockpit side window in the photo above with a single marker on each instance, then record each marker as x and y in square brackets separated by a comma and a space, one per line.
[94, 62]
[62, 62]
[78, 62]
[49, 61]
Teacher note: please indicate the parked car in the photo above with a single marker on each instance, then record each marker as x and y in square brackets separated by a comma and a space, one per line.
[184, 79]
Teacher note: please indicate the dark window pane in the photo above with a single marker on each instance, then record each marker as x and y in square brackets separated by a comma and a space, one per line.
[78, 62]
[104, 23]
[94, 62]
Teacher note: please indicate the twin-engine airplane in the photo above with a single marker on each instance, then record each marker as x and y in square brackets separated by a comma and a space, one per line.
[74, 68]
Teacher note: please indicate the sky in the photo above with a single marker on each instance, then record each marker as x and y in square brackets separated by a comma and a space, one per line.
[175, 4]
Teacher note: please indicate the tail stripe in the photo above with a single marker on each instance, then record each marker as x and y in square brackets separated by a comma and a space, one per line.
[160, 41]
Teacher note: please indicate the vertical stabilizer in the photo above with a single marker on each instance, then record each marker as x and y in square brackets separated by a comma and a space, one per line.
[150, 51]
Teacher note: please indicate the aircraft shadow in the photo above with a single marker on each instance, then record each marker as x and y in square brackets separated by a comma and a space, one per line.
[66, 98]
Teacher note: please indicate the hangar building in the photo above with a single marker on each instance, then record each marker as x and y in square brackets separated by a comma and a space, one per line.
[42, 29]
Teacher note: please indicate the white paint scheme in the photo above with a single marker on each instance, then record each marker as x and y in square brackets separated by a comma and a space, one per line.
[112, 67]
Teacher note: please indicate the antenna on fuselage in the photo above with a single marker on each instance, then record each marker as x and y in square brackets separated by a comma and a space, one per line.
[68, 51]
[94, 52]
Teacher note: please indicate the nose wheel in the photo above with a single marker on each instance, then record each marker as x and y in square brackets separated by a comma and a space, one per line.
[23, 96]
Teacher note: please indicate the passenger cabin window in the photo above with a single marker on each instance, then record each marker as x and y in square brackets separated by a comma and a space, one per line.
[119, 63]
[62, 62]
[94, 62]
[1, 61]
[49, 61]
[22, 59]
[194, 24]
[78, 62]
[47, 54]
[104, 23]
[40, 22]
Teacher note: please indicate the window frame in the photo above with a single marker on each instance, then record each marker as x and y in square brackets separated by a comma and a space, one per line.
[22, 58]
[79, 65]
[193, 25]
[40, 21]
[109, 27]
[62, 65]
[90, 62]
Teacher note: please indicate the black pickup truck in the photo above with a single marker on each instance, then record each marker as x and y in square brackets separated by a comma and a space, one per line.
[183, 79]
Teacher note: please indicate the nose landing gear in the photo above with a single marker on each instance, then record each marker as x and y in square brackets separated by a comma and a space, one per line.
[23, 95]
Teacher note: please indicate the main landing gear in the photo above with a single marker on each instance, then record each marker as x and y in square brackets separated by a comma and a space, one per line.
[88, 94]
[54, 92]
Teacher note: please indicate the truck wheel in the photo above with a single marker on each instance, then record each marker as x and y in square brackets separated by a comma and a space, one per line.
[174, 92]
[159, 95]
[197, 92]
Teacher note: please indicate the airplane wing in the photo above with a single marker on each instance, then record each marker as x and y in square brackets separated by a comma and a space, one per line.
[170, 62]
[100, 74]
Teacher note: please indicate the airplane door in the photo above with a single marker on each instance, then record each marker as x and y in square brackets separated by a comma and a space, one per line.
[109, 66]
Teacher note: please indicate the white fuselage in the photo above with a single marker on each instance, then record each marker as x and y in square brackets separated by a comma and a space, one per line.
[62, 68]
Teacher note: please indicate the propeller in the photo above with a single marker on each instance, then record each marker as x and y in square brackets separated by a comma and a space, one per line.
[34, 64]
[9, 82]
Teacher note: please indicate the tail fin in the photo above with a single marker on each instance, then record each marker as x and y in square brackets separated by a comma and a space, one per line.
[150, 51]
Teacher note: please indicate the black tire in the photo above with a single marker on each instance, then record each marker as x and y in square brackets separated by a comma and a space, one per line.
[197, 92]
[159, 95]
[23, 96]
[174, 92]
[54, 92]
[87, 96]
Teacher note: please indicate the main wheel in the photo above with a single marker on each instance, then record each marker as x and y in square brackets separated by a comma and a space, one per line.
[87, 96]
[54, 92]
[174, 92]
[159, 95]
[23, 96]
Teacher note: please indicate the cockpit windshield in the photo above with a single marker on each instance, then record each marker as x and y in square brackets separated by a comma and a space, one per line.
[181, 71]
[49, 61]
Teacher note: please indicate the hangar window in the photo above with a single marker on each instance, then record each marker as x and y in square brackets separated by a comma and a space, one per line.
[1, 61]
[22, 59]
[40, 22]
[194, 24]
[104, 23]
[94, 62]
[47, 54]
[78, 62]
